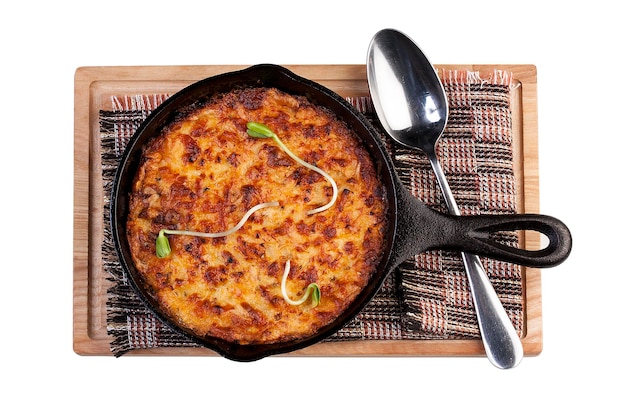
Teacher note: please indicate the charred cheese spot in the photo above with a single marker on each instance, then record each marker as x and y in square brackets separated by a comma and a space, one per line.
[204, 172]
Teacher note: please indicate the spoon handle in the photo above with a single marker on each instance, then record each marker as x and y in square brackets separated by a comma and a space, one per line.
[502, 344]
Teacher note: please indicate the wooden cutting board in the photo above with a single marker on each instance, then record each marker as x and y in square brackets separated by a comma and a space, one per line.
[93, 87]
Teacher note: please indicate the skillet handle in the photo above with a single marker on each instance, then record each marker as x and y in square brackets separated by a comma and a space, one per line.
[472, 234]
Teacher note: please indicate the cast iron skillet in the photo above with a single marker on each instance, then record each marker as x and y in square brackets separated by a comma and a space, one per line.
[413, 227]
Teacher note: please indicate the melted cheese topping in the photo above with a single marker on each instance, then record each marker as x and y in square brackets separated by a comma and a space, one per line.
[204, 172]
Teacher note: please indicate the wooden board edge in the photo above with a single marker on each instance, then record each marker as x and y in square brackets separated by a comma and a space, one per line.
[81, 340]
[527, 76]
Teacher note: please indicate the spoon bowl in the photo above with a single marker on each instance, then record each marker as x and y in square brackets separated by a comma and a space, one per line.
[412, 106]
[407, 93]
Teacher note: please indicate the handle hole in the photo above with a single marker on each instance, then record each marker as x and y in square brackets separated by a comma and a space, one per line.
[534, 240]
[525, 239]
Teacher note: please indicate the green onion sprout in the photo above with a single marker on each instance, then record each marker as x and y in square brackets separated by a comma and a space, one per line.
[163, 248]
[313, 290]
[259, 130]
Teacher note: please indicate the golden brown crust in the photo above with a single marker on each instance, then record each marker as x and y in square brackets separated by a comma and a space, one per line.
[204, 172]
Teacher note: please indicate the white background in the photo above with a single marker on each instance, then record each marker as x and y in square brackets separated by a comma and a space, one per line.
[578, 52]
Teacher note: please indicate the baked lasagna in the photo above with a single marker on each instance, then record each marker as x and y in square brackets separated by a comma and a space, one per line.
[287, 226]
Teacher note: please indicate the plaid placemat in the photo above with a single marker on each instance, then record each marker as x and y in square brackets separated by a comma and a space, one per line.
[428, 297]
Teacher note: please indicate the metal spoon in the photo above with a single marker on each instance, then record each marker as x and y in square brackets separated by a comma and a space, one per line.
[412, 106]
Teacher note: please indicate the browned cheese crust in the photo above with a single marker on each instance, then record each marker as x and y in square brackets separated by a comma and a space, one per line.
[204, 172]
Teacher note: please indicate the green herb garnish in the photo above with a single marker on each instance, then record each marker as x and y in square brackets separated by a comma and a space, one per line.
[259, 130]
[163, 248]
[313, 290]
